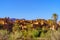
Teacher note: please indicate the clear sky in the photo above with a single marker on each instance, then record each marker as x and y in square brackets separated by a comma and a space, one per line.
[29, 9]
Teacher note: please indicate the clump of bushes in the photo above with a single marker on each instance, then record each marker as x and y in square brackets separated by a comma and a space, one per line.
[29, 34]
[3, 35]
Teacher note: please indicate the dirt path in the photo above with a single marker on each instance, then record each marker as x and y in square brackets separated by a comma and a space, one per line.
[55, 35]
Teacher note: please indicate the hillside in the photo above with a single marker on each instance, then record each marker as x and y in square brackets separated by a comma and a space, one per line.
[8, 23]
[22, 29]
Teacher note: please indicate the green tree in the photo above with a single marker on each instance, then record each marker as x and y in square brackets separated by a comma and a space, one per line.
[55, 17]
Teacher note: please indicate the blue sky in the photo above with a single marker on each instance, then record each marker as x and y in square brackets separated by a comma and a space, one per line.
[29, 9]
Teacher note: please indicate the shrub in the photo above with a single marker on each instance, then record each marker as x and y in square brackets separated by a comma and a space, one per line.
[15, 36]
[16, 27]
[3, 34]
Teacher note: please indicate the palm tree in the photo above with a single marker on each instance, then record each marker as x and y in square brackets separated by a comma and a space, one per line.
[55, 17]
